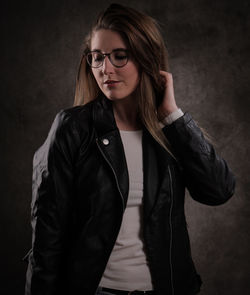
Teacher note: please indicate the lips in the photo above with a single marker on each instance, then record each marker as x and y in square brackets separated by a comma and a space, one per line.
[111, 82]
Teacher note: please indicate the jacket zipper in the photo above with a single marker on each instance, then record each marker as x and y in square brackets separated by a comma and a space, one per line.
[116, 179]
[117, 183]
[171, 230]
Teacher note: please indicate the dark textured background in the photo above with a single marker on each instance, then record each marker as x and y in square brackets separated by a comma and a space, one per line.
[209, 57]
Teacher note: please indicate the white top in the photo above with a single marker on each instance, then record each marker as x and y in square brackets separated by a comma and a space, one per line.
[127, 267]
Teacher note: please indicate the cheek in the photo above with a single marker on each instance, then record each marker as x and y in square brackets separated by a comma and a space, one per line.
[133, 69]
[133, 74]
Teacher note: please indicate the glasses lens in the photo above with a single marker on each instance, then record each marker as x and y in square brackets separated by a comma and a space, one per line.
[95, 59]
[119, 58]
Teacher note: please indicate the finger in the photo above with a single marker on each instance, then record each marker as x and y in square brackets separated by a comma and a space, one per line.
[167, 76]
[165, 73]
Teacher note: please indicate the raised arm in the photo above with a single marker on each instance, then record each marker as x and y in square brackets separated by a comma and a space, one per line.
[208, 177]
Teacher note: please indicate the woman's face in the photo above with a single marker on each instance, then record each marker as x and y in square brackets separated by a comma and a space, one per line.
[126, 78]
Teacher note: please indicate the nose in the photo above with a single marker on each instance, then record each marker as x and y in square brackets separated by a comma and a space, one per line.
[107, 66]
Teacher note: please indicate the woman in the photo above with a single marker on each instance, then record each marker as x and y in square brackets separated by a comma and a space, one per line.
[109, 181]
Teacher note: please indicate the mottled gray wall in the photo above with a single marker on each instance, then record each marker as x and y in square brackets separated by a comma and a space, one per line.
[209, 59]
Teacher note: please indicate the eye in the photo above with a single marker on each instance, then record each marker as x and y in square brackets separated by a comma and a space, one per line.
[97, 56]
[120, 55]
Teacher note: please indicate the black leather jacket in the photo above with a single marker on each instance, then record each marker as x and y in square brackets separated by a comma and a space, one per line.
[80, 190]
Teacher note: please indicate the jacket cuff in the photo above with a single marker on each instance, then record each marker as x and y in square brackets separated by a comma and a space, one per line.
[184, 136]
[171, 118]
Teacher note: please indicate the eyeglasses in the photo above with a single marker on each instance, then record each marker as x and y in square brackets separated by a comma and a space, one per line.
[118, 58]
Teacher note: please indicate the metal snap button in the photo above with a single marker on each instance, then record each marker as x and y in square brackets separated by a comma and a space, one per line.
[105, 141]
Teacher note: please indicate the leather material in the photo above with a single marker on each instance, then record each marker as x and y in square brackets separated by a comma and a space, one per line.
[80, 190]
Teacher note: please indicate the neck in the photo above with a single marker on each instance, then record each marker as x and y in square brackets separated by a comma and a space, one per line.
[126, 114]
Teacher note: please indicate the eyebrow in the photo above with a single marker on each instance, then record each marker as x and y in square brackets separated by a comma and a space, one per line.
[116, 49]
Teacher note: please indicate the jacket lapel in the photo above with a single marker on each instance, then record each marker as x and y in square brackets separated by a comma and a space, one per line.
[155, 173]
[110, 144]
[150, 174]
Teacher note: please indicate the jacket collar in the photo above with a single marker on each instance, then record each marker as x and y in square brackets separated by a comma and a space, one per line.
[103, 117]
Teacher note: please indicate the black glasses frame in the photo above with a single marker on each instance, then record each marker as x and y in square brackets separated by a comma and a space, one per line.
[108, 55]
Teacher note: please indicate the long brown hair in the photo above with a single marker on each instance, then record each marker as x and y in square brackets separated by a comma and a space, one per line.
[145, 42]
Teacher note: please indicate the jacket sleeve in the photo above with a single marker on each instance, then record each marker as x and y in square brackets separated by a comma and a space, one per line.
[52, 189]
[207, 176]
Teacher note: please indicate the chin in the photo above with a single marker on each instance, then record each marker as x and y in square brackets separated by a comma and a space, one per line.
[113, 96]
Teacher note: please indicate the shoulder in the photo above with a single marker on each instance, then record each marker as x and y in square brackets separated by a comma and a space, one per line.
[70, 130]
[74, 119]
[71, 124]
